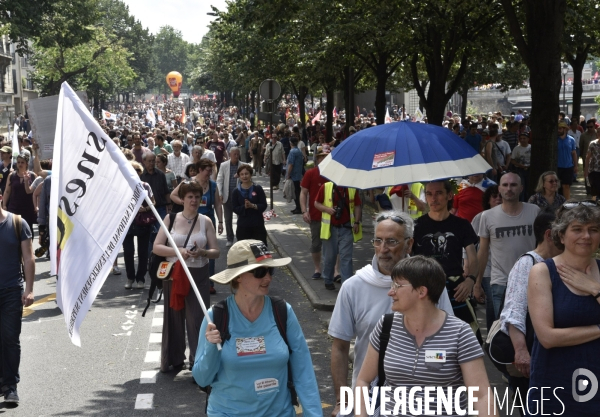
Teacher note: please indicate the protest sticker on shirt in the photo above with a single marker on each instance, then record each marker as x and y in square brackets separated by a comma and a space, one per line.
[246, 346]
[204, 201]
[266, 385]
[438, 356]
[384, 159]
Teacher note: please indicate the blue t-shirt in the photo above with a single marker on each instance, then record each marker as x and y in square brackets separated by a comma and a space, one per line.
[474, 141]
[9, 254]
[297, 159]
[565, 147]
[249, 375]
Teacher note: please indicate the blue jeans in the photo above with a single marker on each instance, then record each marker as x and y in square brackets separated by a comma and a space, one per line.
[490, 316]
[497, 297]
[340, 243]
[11, 312]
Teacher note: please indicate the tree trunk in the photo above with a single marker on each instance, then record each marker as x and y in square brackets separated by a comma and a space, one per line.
[380, 102]
[302, 93]
[577, 62]
[435, 102]
[329, 124]
[349, 100]
[463, 105]
[544, 25]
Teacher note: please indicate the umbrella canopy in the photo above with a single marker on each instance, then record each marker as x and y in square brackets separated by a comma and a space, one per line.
[401, 153]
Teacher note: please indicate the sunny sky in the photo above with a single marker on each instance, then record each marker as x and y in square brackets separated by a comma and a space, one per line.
[187, 16]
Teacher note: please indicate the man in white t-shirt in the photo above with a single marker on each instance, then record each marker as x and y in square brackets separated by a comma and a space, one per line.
[363, 298]
[506, 230]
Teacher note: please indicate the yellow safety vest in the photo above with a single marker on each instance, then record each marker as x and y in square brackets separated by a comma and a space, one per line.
[416, 189]
[326, 217]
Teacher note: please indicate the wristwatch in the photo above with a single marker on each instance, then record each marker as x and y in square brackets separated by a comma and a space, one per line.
[472, 277]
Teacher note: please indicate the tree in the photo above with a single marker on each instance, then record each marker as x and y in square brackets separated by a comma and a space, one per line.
[169, 53]
[445, 38]
[133, 36]
[537, 29]
[581, 39]
[64, 22]
[99, 66]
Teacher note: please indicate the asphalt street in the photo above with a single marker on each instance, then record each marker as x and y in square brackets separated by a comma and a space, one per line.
[115, 372]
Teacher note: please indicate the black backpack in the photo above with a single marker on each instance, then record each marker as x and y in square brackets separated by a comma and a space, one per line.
[221, 321]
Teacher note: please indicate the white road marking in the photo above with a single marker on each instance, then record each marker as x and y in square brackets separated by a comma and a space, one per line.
[144, 401]
[159, 308]
[155, 338]
[152, 356]
[157, 321]
[148, 377]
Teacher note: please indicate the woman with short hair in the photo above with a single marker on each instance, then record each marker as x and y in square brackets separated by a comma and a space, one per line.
[564, 304]
[196, 250]
[249, 202]
[420, 329]
[546, 192]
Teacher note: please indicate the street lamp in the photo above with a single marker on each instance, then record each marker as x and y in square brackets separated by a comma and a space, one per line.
[565, 70]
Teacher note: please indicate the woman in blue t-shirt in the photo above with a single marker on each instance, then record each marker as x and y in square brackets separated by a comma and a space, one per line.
[249, 375]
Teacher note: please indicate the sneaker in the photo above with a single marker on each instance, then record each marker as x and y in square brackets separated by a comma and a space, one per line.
[337, 278]
[129, 284]
[229, 243]
[296, 211]
[316, 275]
[330, 287]
[116, 270]
[11, 396]
[140, 285]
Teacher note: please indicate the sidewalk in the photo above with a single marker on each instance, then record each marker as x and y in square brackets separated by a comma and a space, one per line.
[290, 236]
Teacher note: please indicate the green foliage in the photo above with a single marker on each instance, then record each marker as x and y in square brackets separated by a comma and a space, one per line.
[169, 53]
[100, 64]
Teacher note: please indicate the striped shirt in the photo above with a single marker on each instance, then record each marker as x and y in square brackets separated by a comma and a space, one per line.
[405, 366]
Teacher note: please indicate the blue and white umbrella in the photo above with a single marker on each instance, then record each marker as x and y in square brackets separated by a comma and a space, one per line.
[401, 153]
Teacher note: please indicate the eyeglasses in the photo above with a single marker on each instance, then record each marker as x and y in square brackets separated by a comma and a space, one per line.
[395, 286]
[390, 243]
[391, 217]
[262, 271]
[586, 203]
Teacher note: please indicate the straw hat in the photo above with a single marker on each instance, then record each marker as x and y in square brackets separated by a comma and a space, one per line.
[245, 256]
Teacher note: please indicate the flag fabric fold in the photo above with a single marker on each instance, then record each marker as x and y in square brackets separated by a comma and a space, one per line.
[94, 198]
[15, 141]
[106, 115]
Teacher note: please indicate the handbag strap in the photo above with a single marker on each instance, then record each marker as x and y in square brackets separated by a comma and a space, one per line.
[190, 232]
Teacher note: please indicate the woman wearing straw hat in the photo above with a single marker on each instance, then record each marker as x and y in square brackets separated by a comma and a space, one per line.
[249, 375]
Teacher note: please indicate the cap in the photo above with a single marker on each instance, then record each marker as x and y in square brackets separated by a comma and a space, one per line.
[6, 149]
[485, 132]
[245, 256]
[563, 124]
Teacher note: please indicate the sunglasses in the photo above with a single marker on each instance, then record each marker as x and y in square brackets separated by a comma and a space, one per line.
[586, 203]
[393, 218]
[262, 271]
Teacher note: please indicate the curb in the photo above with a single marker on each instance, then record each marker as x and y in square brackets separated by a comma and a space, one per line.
[310, 293]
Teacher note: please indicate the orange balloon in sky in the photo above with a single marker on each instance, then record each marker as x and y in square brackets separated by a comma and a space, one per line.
[174, 81]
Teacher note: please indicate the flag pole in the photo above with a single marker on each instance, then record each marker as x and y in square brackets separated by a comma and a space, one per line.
[181, 260]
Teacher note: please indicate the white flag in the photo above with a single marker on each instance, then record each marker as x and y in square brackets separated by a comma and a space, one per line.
[106, 115]
[418, 115]
[150, 117]
[95, 196]
[15, 141]
[388, 119]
